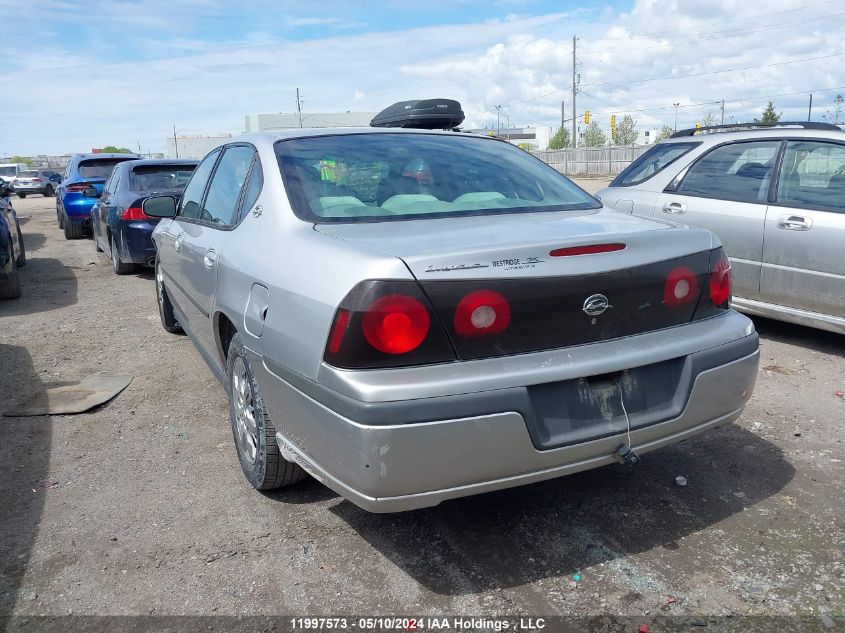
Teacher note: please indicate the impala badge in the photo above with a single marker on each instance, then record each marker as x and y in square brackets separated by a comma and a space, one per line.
[595, 305]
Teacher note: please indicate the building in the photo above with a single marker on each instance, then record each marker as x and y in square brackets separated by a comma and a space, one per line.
[648, 137]
[286, 121]
[534, 137]
[194, 146]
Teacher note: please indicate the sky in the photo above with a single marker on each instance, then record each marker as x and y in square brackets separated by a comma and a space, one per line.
[79, 75]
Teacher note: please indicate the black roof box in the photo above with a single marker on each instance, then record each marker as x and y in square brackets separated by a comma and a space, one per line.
[425, 114]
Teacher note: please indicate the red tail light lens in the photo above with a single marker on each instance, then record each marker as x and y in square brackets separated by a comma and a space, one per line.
[78, 187]
[680, 288]
[134, 213]
[395, 324]
[36, 180]
[721, 282]
[386, 323]
[482, 313]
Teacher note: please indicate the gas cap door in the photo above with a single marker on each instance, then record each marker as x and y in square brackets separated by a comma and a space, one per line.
[256, 310]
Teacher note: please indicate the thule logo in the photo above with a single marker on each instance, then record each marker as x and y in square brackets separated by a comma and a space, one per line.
[595, 305]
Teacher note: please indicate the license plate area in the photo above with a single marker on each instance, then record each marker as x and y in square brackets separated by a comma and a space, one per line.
[581, 410]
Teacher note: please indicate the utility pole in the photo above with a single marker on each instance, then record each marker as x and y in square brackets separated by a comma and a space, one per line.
[676, 115]
[810, 113]
[175, 142]
[299, 107]
[723, 111]
[574, 90]
[498, 125]
[508, 123]
[562, 113]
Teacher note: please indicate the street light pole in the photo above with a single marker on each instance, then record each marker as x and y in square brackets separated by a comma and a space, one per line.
[175, 142]
[676, 115]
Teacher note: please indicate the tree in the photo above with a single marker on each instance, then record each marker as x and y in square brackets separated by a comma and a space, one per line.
[665, 132]
[26, 160]
[708, 120]
[769, 115]
[835, 117]
[625, 132]
[594, 136]
[560, 140]
[111, 149]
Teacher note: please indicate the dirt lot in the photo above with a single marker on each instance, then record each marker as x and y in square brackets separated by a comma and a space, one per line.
[139, 507]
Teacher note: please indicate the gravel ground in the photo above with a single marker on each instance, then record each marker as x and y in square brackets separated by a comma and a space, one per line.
[139, 507]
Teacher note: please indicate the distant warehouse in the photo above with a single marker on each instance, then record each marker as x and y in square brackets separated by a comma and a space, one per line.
[286, 121]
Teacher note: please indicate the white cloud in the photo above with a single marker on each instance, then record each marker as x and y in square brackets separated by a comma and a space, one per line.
[522, 63]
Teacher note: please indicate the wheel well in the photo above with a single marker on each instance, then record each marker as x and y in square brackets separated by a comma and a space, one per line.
[225, 331]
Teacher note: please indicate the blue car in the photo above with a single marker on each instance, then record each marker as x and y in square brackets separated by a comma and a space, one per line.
[118, 223]
[73, 210]
[12, 254]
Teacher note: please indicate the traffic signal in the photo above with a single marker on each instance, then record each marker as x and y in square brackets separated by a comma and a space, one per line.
[587, 117]
[613, 124]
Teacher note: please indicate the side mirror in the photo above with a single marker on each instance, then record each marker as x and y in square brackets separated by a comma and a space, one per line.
[90, 192]
[159, 207]
[5, 191]
[56, 178]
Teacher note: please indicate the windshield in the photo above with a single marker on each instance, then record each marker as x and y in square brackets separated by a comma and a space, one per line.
[28, 174]
[8, 171]
[99, 167]
[652, 162]
[160, 177]
[384, 176]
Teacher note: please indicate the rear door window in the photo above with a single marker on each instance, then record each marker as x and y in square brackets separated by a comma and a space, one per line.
[224, 193]
[99, 167]
[813, 176]
[740, 172]
[652, 162]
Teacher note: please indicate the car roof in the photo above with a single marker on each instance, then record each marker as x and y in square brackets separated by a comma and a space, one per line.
[720, 134]
[98, 155]
[145, 162]
[280, 135]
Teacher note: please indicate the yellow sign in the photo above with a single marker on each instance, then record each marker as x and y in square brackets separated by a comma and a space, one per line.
[697, 125]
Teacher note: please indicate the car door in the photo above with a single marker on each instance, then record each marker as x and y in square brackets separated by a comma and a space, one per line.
[803, 261]
[205, 238]
[726, 191]
[171, 233]
[104, 209]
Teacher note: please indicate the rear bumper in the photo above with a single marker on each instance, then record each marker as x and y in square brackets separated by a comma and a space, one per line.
[30, 188]
[78, 208]
[136, 242]
[386, 465]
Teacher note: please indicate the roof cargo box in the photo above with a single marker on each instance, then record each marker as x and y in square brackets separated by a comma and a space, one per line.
[426, 114]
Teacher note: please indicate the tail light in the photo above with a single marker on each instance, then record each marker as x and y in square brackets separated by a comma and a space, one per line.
[482, 313]
[36, 180]
[134, 213]
[680, 288]
[720, 285]
[78, 187]
[386, 324]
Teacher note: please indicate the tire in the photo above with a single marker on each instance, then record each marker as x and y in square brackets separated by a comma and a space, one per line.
[96, 243]
[48, 191]
[72, 231]
[21, 195]
[165, 308]
[252, 429]
[60, 217]
[120, 267]
[21, 260]
[11, 289]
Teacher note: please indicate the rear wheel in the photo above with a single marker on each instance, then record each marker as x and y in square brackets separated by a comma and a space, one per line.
[165, 308]
[21, 194]
[72, 231]
[21, 261]
[120, 267]
[11, 288]
[48, 191]
[254, 433]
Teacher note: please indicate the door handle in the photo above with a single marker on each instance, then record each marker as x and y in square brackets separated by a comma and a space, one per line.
[795, 223]
[210, 258]
[178, 243]
[674, 208]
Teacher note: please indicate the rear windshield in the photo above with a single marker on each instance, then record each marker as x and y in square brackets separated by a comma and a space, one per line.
[652, 162]
[28, 174]
[384, 176]
[8, 171]
[99, 167]
[160, 177]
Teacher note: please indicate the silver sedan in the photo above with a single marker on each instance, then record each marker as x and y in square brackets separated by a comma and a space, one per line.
[412, 316]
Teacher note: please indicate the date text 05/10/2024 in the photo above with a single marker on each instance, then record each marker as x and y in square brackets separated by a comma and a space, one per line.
[417, 624]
